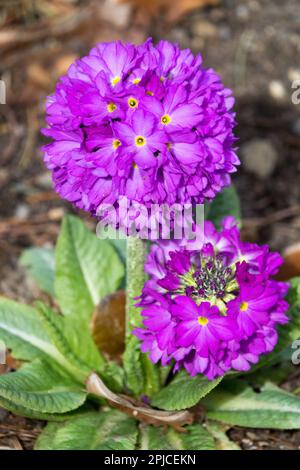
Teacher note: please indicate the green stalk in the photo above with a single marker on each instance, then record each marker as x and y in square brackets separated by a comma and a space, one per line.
[136, 277]
[142, 376]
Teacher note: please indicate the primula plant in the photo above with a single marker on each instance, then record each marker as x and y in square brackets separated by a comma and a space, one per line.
[157, 344]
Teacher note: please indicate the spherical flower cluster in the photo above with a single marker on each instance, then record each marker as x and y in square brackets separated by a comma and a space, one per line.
[214, 306]
[145, 122]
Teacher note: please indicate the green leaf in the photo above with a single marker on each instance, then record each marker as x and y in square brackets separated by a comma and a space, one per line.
[225, 203]
[118, 239]
[87, 269]
[141, 375]
[218, 431]
[22, 330]
[133, 367]
[155, 438]
[104, 430]
[55, 327]
[237, 404]
[31, 335]
[29, 413]
[183, 392]
[40, 387]
[113, 376]
[40, 264]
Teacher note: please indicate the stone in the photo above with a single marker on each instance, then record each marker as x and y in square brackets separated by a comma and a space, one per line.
[44, 180]
[204, 29]
[277, 90]
[115, 13]
[242, 12]
[293, 74]
[22, 211]
[260, 157]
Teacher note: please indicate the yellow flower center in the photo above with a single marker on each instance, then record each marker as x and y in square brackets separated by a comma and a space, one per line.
[134, 165]
[116, 143]
[166, 119]
[111, 107]
[202, 321]
[133, 103]
[244, 306]
[169, 145]
[136, 81]
[115, 80]
[140, 141]
[149, 93]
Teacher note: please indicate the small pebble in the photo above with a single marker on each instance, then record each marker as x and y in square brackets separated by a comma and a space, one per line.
[242, 12]
[56, 214]
[204, 29]
[22, 212]
[277, 90]
[293, 74]
[260, 157]
[44, 180]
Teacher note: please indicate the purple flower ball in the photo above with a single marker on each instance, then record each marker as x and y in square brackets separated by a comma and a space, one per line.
[211, 306]
[145, 122]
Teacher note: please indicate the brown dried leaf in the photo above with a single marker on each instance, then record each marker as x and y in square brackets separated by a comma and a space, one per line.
[38, 75]
[291, 265]
[62, 64]
[108, 325]
[174, 10]
[146, 414]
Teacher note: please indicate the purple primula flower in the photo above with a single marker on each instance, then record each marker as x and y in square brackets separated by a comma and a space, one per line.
[211, 306]
[145, 122]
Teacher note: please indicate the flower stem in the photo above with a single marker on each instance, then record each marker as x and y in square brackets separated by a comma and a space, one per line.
[136, 277]
[142, 375]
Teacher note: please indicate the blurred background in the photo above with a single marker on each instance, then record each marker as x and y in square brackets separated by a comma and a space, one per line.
[255, 47]
[253, 44]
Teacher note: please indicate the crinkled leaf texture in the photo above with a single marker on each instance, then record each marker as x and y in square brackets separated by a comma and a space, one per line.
[40, 265]
[236, 403]
[87, 269]
[218, 431]
[41, 388]
[183, 392]
[104, 430]
[112, 430]
[196, 438]
[45, 335]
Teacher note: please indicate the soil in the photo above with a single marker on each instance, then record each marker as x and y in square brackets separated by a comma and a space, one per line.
[254, 45]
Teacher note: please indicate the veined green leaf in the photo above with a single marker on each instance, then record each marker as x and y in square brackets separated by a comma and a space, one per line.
[156, 438]
[40, 264]
[218, 431]
[134, 372]
[22, 330]
[104, 430]
[237, 404]
[118, 239]
[29, 413]
[87, 269]
[30, 336]
[41, 388]
[183, 392]
[74, 360]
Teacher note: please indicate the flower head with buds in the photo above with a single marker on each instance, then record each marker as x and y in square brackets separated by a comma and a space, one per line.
[214, 306]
